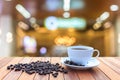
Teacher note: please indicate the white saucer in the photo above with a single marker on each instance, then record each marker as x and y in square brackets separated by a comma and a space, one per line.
[92, 63]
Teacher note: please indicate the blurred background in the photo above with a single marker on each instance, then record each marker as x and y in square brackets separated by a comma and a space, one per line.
[48, 27]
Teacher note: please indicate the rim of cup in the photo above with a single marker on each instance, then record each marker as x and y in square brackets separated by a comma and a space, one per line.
[85, 47]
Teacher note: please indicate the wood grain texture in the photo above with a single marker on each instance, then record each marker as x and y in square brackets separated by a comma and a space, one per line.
[112, 64]
[14, 75]
[114, 61]
[84, 75]
[4, 71]
[60, 75]
[108, 69]
[1, 58]
[72, 75]
[98, 74]
[4, 61]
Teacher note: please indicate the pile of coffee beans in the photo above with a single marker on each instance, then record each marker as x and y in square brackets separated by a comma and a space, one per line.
[40, 67]
[72, 63]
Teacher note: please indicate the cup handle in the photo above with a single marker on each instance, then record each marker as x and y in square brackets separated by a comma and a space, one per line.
[98, 52]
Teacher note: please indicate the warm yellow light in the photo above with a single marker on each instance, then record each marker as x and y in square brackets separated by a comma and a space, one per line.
[23, 25]
[71, 29]
[65, 40]
[20, 32]
[97, 26]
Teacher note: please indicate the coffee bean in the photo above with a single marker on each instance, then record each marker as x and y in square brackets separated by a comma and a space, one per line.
[40, 72]
[55, 74]
[8, 68]
[72, 63]
[23, 70]
[62, 68]
[40, 67]
[57, 64]
[17, 69]
[11, 65]
[65, 71]
[30, 72]
[12, 68]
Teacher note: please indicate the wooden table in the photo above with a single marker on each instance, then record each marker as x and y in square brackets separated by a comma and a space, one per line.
[109, 69]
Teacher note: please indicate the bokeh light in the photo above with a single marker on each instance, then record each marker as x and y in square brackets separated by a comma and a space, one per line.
[43, 50]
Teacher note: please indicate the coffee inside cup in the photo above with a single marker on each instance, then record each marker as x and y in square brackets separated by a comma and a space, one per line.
[79, 49]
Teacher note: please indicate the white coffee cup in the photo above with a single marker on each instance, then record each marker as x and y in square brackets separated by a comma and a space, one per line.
[81, 54]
